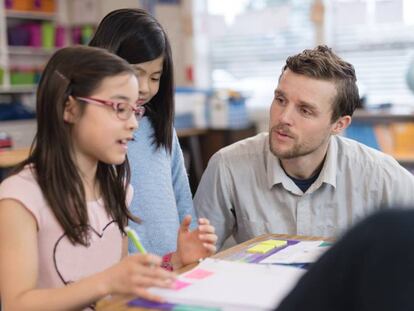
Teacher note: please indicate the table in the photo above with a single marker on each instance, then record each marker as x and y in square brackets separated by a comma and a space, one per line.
[119, 303]
[9, 158]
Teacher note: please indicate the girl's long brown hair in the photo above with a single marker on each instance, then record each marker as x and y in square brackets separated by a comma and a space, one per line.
[76, 71]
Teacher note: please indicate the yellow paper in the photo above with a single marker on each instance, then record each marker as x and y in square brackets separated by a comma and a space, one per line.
[260, 248]
[274, 243]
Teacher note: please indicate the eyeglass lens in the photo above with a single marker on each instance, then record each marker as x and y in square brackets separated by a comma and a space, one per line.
[124, 111]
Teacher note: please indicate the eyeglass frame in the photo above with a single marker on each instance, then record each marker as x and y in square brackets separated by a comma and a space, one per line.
[139, 110]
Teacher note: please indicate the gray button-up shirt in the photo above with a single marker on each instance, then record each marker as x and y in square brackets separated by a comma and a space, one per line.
[245, 192]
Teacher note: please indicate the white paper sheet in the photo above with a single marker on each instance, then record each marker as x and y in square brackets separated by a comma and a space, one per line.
[302, 252]
[234, 286]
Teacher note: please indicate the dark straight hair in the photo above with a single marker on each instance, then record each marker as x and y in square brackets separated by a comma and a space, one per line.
[137, 37]
[74, 71]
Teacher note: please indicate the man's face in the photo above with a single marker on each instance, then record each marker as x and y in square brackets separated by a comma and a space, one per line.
[300, 116]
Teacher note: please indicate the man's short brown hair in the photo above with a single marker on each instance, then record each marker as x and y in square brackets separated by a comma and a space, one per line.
[323, 64]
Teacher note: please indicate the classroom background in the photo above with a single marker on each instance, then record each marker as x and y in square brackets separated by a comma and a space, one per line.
[228, 55]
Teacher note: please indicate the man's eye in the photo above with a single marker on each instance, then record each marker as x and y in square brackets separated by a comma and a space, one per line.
[279, 100]
[306, 112]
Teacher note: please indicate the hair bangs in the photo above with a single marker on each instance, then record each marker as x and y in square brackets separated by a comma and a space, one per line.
[139, 49]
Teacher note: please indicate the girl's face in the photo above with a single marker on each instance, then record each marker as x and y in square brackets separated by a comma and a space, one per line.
[149, 75]
[98, 133]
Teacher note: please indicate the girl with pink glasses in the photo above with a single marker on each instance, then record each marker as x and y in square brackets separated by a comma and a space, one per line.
[64, 210]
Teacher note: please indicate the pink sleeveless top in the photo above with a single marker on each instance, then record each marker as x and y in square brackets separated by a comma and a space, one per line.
[60, 262]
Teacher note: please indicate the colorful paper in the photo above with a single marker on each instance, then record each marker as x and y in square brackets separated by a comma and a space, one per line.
[178, 284]
[147, 304]
[244, 256]
[275, 243]
[198, 274]
[235, 286]
[260, 248]
[300, 253]
[193, 308]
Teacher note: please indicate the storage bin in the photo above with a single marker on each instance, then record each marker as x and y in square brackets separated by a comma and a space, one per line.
[47, 6]
[228, 110]
[20, 5]
[18, 35]
[22, 77]
[48, 35]
[191, 106]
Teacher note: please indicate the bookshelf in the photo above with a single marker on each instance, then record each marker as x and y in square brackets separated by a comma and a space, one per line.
[27, 39]
[31, 31]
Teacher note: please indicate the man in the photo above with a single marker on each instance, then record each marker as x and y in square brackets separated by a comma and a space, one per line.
[301, 178]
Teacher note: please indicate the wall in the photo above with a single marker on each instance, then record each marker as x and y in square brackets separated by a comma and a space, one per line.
[177, 22]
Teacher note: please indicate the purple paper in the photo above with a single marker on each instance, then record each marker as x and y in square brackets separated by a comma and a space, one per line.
[143, 303]
[244, 256]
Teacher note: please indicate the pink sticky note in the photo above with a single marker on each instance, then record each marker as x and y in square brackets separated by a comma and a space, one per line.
[179, 285]
[198, 274]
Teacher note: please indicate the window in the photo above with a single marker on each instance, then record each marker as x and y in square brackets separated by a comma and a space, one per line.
[250, 40]
[377, 37]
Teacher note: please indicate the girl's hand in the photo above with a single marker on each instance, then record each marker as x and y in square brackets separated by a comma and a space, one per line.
[135, 273]
[196, 244]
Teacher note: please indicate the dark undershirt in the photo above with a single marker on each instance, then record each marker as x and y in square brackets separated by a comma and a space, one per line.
[304, 184]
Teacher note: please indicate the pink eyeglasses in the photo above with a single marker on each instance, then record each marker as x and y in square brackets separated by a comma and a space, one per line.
[123, 110]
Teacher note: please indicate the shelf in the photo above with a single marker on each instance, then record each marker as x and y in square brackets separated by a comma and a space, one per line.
[30, 15]
[383, 115]
[18, 89]
[27, 50]
[182, 133]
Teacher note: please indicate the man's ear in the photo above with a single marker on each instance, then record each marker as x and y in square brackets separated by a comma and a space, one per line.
[341, 124]
[71, 112]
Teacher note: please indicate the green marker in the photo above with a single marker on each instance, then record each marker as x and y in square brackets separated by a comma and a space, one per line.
[133, 236]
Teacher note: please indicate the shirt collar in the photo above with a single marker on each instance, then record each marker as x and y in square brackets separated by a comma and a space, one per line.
[328, 172]
[276, 174]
